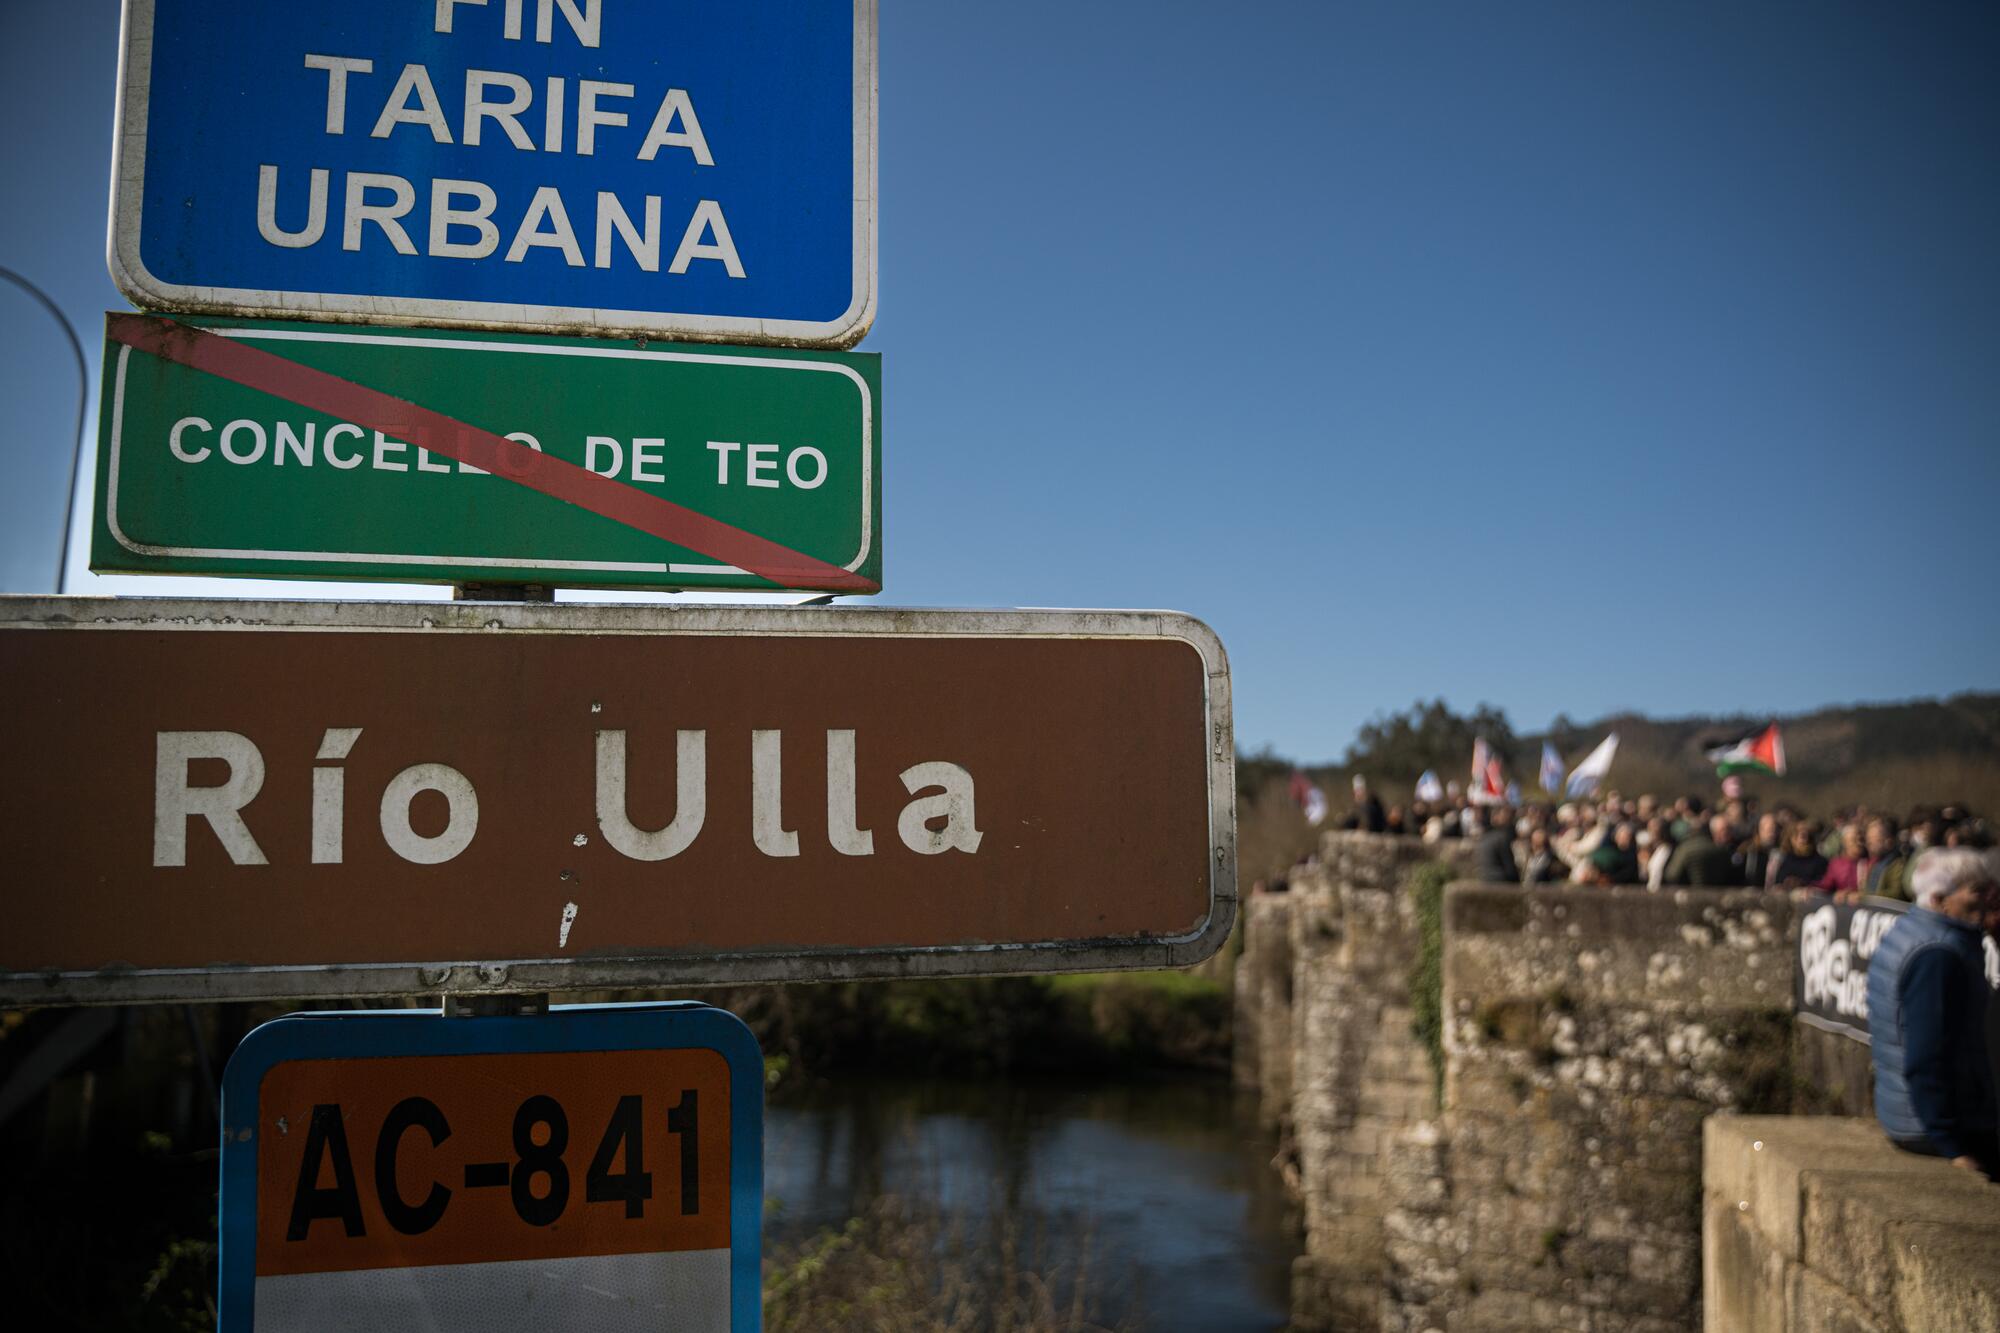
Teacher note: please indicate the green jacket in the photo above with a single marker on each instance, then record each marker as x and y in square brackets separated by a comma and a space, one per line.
[1700, 863]
[1890, 878]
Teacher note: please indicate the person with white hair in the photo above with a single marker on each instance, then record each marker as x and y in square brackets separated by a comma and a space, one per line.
[1927, 1003]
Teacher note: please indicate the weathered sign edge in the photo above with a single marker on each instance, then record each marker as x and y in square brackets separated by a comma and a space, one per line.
[476, 976]
[129, 273]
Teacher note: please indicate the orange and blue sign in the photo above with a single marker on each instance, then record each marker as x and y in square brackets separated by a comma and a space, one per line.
[592, 1168]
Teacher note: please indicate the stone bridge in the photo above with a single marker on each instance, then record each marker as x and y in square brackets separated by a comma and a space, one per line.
[1493, 1099]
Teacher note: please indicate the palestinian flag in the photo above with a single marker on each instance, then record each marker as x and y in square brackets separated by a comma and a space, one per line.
[1764, 753]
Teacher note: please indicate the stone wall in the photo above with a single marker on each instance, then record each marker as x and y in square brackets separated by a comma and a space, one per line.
[1588, 1033]
[1360, 1075]
[1834, 1074]
[1324, 1037]
[1261, 1047]
[1815, 1224]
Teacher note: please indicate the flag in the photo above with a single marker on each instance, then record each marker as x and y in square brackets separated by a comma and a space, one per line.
[1596, 766]
[1552, 769]
[1308, 797]
[1513, 793]
[1429, 788]
[1764, 753]
[1489, 780]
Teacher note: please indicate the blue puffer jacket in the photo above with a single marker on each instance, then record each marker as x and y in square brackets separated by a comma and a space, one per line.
[1927, 999]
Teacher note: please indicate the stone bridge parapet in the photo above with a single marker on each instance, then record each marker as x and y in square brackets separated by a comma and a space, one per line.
[1816, 1223]
[1584, 1037]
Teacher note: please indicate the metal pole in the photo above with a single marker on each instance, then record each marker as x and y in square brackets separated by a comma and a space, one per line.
[82, 407]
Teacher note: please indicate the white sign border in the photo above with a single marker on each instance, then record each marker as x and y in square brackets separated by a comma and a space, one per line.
[129, 273]
[338, 559]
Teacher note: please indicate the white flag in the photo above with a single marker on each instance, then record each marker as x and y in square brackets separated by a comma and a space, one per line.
[1595, 767]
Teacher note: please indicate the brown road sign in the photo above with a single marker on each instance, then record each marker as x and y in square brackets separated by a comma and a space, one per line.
[239, 799]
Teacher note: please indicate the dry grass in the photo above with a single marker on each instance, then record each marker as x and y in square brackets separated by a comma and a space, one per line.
[905, 1267]
[1271, 834]
[1896, 785]
[1893, 785]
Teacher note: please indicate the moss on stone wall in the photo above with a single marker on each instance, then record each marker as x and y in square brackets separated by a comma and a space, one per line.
[1427, 885]
[1756, 1062]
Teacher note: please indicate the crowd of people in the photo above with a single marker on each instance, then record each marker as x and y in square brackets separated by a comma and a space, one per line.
[1928, 982]
[1617, 839]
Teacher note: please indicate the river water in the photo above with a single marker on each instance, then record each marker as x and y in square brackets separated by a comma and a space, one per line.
[1166, 1185]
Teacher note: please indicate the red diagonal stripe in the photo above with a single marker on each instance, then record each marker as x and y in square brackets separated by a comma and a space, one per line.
[448, 437]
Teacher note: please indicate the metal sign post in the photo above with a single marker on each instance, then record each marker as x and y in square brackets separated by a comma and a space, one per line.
[241, 799]
[612, 167]
[301, 451]
[591, 1168]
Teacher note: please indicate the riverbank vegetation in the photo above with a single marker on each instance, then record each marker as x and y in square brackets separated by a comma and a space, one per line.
[1094, 1024]
[123, 1237]
[904, 1266]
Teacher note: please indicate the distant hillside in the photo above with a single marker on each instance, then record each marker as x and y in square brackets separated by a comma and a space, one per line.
[1823, 746]
[1885, 756]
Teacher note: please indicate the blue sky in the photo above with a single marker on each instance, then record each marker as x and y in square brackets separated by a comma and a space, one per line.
[1572, 357]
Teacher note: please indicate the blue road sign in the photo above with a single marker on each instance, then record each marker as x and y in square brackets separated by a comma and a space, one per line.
[626, 167]
[597, 1167]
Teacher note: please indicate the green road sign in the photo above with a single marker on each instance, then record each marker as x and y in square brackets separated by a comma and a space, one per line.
[252, 447]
